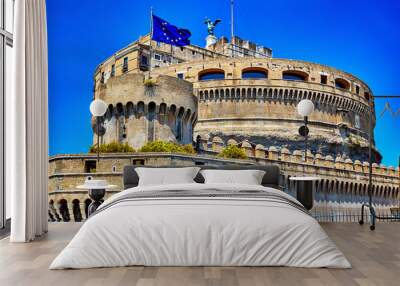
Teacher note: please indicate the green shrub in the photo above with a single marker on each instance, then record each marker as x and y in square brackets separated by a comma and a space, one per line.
[149, 82]
[170, 147]
[113, 147]
[233, 152]
[188, 148]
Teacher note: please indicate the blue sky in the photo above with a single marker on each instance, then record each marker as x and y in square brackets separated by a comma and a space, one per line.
[360, 37]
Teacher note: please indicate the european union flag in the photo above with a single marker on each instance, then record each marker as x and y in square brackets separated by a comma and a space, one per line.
[169, 34]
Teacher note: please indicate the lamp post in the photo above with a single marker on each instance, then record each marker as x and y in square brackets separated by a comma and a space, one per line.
[305, 108]
[98, 108]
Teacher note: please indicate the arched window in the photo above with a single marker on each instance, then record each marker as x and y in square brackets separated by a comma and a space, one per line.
[342, 83]
[254, 73]
[295, 75]
[212, 74]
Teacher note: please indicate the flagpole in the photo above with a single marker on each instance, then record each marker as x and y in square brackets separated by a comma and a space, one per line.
[232, 32]
[151, 39]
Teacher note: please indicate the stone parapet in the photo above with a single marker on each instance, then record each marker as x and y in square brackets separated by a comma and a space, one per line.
[67, 203]
[278, 154]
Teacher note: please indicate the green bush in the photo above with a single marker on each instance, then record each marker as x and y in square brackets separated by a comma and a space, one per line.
[233, 152]
[170, 147]
[113, 147]
[149, 82]
[188, 149]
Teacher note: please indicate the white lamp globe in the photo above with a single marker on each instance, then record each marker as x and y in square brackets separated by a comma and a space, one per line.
[305, 107]
[98, 107]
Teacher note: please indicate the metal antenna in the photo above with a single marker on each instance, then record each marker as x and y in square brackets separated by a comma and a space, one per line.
[369, 205]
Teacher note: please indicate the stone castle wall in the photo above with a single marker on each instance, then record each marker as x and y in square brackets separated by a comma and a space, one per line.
[341, 179]
[137, 55]
[262, 111]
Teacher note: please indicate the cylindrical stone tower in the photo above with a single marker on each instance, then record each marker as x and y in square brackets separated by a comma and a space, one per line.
[142, 111]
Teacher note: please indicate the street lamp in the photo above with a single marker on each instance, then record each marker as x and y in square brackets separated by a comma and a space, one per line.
[98, 108]
[305, 108]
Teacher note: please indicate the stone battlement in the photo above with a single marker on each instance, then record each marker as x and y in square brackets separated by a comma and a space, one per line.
[341, 179]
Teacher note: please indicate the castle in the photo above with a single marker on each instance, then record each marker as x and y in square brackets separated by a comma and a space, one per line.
[234, 91]
[230, 92]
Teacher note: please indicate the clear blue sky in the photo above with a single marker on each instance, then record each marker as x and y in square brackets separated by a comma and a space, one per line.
[360, 37]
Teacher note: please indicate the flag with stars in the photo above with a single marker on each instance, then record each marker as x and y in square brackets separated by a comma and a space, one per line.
[169, 34]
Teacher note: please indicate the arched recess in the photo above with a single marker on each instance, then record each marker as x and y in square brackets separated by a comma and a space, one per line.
[120, 122]
[129, 109]
[63, 209]
[211, 74]
[295, 75]
[120, 109]
[110, 112]
[163, 113]
[151, 116]
[172, 117]
[187, 128]
[254, 73]
[342, 83]
[76, 210]
[179, 124]
[140, 109]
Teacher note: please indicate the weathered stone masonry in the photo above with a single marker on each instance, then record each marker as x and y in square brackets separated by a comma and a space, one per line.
[236, 107]
[138, 114]
[342, 181]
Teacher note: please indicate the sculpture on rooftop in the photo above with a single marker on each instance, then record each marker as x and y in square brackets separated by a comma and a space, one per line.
[211, 25]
